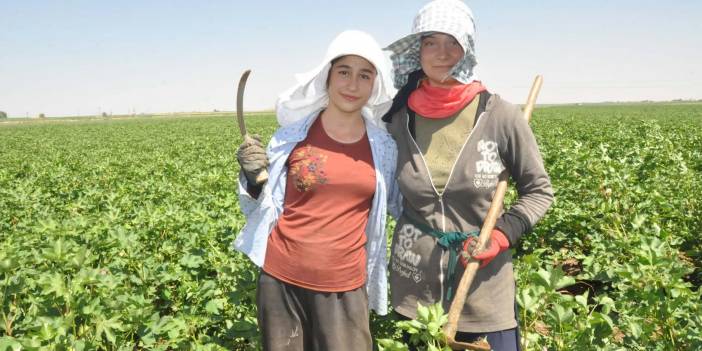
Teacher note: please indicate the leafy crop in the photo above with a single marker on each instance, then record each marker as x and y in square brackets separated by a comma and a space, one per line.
[425, 332]
[625, 227]
[115, 234]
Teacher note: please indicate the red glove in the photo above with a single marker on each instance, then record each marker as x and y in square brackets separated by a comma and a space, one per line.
[497, 244]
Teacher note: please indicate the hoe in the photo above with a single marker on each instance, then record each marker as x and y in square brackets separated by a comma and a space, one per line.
[488, 225]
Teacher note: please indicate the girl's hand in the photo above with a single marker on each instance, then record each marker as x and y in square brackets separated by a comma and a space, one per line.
[498, 243]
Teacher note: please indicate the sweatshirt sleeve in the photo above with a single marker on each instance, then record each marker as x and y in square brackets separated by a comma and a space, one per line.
[521, 155]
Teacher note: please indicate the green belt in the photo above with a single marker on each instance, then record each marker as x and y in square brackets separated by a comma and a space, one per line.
[452, 241]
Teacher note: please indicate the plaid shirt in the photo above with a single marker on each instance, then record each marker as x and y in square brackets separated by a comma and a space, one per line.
[446, 16]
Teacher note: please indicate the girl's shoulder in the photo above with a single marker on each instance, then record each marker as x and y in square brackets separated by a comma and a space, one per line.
[502, 108]
[293, 132]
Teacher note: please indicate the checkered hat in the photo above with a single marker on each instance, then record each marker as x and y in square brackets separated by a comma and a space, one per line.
[446, 16]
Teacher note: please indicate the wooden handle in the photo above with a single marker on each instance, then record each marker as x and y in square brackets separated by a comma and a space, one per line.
[459, 299]
[533, 94]
[262, 177]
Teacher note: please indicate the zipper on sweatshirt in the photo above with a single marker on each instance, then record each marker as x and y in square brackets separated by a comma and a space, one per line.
[460, 152]
[440, 195]
[455, 162]
[441, 260]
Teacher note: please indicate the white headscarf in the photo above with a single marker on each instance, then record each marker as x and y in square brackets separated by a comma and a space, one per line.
[445, 16]
[310, 96]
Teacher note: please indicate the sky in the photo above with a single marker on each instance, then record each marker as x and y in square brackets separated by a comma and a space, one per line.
[66, 58]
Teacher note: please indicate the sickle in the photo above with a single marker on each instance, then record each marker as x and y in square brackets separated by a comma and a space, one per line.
[262, 176]
[240, 102]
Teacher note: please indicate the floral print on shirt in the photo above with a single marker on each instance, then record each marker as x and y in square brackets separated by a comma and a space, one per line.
[307, 169]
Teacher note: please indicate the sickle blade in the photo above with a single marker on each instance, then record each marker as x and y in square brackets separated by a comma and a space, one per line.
[240, 102]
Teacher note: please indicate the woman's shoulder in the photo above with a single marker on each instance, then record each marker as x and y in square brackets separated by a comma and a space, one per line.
[503, 108]
[506, 117]
[396, 123]
[295, 131]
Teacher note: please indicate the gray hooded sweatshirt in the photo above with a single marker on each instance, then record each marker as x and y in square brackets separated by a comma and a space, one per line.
[501, 138]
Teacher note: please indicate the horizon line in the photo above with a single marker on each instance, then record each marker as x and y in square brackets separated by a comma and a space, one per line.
[104, 114]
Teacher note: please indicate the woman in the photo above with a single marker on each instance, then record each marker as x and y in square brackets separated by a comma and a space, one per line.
[454, 138]
[317, 227]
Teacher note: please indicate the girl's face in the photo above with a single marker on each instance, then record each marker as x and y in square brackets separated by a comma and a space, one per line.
[350, 83]
[439, 53]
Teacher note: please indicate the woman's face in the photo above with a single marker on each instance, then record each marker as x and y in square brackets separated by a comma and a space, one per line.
[439, 53]
[350, 84]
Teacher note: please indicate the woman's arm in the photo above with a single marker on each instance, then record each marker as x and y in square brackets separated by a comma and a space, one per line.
[523, 160]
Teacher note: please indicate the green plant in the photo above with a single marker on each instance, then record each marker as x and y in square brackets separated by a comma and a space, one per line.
[425, 331]
[116, 235]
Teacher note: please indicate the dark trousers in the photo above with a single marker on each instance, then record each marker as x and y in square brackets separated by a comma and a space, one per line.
[295, 318]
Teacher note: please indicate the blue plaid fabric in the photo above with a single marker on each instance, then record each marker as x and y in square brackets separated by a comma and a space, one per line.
[446, 16]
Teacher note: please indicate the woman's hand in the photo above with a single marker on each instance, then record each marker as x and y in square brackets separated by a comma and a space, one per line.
[252, 158]
[498, 243]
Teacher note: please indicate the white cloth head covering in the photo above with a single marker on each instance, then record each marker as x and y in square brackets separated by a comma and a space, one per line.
[310, 96]
[446, 16]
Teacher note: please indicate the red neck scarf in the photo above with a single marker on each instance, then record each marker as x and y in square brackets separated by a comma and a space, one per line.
[436, 102]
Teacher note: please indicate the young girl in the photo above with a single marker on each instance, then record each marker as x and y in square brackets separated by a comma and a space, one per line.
[317, 227]
[454, 138]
